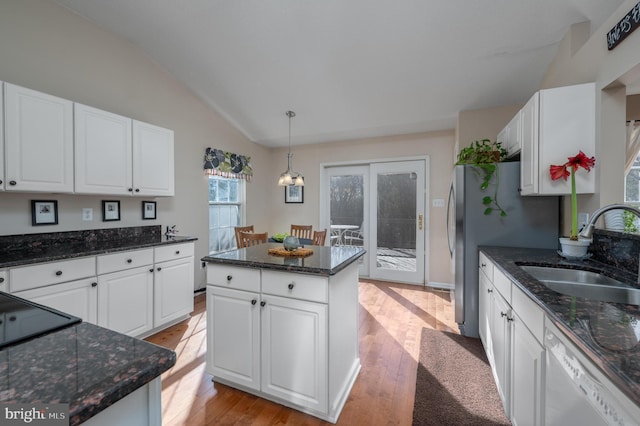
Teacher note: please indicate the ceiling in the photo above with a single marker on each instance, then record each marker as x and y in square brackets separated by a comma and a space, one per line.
[348, 68]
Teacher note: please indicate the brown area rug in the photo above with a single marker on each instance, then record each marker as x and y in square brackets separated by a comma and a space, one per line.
[454, 384]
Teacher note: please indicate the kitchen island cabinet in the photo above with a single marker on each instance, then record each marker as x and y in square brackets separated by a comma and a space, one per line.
[285, 328]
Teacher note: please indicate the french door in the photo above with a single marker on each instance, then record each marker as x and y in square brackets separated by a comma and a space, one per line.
[380, 206]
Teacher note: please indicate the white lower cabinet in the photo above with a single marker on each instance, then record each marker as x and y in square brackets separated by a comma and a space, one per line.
[125, 300]
[78, 298]
[294, 351]
[271, 333]
[172, 283]
[233, 328]
[172, 290]
[513, 336]
[527, 374]
[133, 292]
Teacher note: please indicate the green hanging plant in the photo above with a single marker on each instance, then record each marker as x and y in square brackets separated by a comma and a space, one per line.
[484, 155]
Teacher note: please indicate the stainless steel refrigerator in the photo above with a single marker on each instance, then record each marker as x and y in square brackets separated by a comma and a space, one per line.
[531, 221]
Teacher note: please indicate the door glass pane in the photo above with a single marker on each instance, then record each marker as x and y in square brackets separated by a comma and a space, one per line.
[396, 227]
[347, 209]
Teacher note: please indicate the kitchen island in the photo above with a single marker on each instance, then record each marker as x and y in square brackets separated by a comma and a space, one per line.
[107, 378]
[285, 328]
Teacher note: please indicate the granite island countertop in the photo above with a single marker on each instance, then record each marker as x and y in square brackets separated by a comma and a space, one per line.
[86, 366]
[324, 261]
[607, 333]
[19, 250]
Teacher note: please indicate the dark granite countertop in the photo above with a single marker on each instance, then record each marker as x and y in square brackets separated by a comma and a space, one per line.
[19, 250]
[86, 366]
[607, 333]
[324, 260]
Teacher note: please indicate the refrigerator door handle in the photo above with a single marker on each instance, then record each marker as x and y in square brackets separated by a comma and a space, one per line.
[450, 206]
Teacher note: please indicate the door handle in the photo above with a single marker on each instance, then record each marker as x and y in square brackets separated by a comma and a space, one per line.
[420, 222]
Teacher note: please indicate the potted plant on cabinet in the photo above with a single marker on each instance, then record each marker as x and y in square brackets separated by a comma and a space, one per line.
[485, 154]
[573, 247]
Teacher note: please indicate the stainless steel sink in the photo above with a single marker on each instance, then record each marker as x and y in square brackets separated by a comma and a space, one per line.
[587, 284]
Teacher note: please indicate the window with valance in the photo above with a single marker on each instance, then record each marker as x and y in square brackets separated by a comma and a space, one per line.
[227, 164]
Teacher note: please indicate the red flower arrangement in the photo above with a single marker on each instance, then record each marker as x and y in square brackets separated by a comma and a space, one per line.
[569, 169]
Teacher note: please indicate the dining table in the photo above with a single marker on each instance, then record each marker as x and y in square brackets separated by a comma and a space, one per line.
[340, 231]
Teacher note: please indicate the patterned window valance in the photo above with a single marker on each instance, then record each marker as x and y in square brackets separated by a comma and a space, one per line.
[227, 164]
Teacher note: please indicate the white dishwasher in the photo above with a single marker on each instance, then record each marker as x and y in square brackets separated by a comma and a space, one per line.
[576, 392]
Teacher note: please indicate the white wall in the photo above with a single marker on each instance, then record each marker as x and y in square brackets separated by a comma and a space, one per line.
[45, 47]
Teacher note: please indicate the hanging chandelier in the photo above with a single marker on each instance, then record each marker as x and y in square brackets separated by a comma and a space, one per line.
[290, 178]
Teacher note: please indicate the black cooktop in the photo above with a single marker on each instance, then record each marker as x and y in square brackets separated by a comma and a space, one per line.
[21, 320]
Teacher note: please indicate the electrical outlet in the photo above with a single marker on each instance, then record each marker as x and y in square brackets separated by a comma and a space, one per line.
[87, 214]
[437, 202]
[583, 219]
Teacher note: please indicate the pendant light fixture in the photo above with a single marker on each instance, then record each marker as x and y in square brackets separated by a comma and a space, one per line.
[290, 178]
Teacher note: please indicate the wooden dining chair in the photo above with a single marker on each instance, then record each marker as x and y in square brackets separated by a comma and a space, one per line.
[302, 231]
[240, 229]
[248, 239]
[319, 237]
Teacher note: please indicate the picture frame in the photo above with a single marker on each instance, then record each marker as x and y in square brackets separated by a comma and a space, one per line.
[44, 212]
[149, 210]
[110, 210]
[293, 194]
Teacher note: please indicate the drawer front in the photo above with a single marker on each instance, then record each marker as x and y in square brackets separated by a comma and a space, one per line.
[173, 251]
[4, 280]
[297, 286]
[43, 274]
[528, 311]
[125, 260]
[233, 277]
[486, 266]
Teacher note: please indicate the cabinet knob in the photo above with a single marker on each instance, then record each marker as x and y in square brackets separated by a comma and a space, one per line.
[262, 303]
[58, 273]
[503, 314]
[129, 260]
[12, 182]
[137, 189]
[229, 277]
[509, 319]
[254, 301]
[12, 318]
[291, 286]
[151, 270]
[159, 269]
[130, 189]
[1, 279]
[489, 290]
[0, 181]
[94, 284]
[177, 251]
[484, 265]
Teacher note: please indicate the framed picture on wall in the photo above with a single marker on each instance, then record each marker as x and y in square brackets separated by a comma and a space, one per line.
[110, 210]
[44, 212]
[148, 210]
[294, 194]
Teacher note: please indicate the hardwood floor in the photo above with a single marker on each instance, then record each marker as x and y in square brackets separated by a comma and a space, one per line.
[391, 319]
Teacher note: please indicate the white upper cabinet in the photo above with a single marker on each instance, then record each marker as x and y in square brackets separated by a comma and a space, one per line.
[153, 168]
[556, 124]
[118, 155]
[38, 141]
[103, 152]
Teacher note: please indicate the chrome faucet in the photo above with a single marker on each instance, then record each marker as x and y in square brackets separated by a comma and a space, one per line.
[587, 231]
